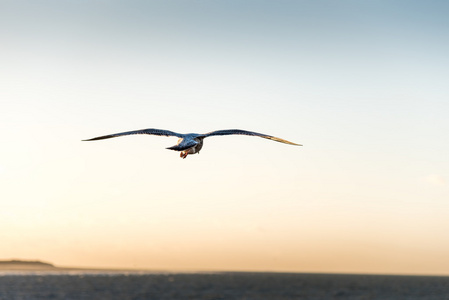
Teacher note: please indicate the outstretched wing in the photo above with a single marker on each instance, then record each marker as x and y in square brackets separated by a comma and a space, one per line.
[251, 133]
[151, 131]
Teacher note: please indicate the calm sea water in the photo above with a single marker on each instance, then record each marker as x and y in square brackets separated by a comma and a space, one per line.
[124, 286]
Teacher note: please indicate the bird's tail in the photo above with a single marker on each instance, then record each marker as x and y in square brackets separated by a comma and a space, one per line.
[176, 148]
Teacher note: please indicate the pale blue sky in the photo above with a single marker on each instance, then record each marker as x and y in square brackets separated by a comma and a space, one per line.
[362, 84]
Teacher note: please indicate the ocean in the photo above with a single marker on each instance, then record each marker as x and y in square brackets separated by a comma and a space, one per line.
[198, 286]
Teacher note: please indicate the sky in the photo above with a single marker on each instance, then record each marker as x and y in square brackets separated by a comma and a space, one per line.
[361, 84]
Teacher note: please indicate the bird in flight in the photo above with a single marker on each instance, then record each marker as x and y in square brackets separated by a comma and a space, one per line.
[191, 143]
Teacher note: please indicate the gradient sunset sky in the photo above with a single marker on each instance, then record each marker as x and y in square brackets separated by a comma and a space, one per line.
[364, 85]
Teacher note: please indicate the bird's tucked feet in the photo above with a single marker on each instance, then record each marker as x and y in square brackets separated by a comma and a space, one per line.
[183, 154]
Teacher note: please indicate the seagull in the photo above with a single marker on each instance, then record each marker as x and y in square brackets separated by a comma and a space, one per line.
[191, 143]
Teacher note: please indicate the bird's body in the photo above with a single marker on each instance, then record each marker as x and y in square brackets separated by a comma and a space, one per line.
[191, 143]
[189, 139]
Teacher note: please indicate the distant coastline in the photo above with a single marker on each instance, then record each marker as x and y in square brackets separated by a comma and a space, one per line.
[16, 264]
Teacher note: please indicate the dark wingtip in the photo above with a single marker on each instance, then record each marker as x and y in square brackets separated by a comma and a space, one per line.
[100, 138]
